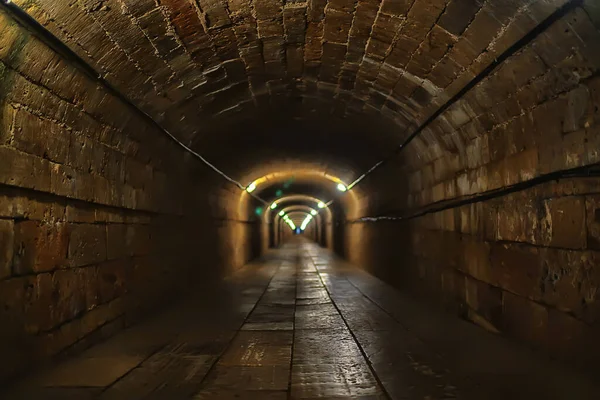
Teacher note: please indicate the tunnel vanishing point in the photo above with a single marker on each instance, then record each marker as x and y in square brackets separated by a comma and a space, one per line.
[269, 199]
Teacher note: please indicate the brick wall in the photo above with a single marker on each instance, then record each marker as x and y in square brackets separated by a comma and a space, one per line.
[100, 214]
[535, 114]
[525, 264]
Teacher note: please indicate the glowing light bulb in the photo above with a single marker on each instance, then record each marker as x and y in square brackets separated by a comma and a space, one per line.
[251, 187]
[306, 222]
[341, 187]
[273, 206]
[281, 213]
[290, 223]
[322, 205]
[313, 212]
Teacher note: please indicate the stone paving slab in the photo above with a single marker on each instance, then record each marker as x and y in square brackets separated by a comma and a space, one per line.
[305, 325]
[90, 372]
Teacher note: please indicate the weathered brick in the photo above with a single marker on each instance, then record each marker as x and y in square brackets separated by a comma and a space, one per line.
[578, 109]
[516, 268]
[476, 259]
[7, 116]
[71, 294]
[396, 7]
[569, 281]
[458, 14]
[15, 203]
[6, 247]
[337, 26]
[117, 243]
[80, 214]
[486, 300]
[24, 170]
[89, 285]
[112, 279]
[41, 138]
[269, 28]
[41, 308]
[592, 205]
[568, 227]
[39, 246]
[87, 244]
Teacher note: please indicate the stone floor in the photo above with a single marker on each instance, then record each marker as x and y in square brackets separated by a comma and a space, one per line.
[302, 324]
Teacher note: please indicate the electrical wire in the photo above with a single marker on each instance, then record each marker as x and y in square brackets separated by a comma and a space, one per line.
[38, 30]
[517, 46]
[587, 171]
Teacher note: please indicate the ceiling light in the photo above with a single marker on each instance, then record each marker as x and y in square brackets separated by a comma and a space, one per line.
[306, 221]
[273, 206]
[313, 212]
[322, 205]
[341, 187]
[251, 187]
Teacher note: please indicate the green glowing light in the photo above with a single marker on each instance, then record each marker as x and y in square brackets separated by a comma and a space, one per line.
[322, 205]
[279, 193]
[341, 187]
[273, 206]
[288, 183]
[313, 212]
[251, 187]
[281, 213]
[258, 211]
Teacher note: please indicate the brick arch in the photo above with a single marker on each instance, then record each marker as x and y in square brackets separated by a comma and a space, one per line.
[198, 66]
[298, 208]
[184, 61]
[298, 200]
[271, 220]
[317, 183]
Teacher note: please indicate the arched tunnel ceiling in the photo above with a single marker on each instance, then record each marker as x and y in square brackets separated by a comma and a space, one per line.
[297, 217]
[301, 186]
[298, 213]
[294, 185]
[305, 202]
[342, 148]
[255, 83]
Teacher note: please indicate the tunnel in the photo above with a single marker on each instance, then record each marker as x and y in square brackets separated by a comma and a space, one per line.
[287, 199]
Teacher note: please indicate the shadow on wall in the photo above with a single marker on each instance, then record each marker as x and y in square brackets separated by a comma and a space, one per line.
[382, 249]
[16, 348]
[525, 265]
[75, 272]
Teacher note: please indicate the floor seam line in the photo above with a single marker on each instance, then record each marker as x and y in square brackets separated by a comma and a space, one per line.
[362, 351]
[106, 388]
[384, 310]
[289, 396]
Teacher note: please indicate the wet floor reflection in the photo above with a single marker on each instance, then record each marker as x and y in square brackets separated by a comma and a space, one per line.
[302, 324]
